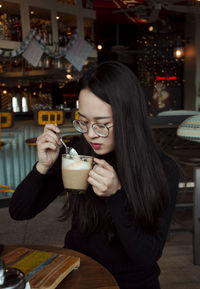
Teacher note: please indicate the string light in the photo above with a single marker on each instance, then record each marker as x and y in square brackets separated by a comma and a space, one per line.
[158, 64]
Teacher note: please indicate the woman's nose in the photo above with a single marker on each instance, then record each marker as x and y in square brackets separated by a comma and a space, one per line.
[91, 132]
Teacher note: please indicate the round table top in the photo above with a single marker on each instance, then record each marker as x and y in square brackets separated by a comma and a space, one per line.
[90, 274]
[190, 156]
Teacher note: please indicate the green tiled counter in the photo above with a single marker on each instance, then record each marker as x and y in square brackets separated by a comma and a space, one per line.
[16, 156]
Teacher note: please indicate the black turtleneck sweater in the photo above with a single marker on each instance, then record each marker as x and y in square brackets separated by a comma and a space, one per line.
[132, 254]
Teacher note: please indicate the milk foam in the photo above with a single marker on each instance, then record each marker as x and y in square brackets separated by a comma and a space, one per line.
[76, 164]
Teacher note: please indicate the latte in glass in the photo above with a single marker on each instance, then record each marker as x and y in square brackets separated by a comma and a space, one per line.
[75, 171]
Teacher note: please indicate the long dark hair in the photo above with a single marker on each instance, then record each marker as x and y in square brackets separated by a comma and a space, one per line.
[138, 162]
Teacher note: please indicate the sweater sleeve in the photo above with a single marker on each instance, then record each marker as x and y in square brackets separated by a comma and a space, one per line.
[141, 247]
[36, 192]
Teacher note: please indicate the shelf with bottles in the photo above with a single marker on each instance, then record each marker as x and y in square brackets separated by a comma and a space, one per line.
[87, 4]
[10, 22]
[40, 19]
[67, 25]
[19, 67]
[19, 17]
[88, 25]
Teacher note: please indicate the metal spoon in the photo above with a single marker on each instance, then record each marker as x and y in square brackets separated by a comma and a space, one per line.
[68, 150]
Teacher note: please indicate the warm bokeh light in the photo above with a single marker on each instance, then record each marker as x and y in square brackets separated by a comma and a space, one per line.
[151, 28]
[179, 52]
[68, 76]
[99, 47]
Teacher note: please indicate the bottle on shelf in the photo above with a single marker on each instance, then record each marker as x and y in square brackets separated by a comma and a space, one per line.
[49, 33]
[7, 28]
[24, 104]
[15, 104]
[74, 111]
[16, 29]
[1, 27]
[43, 28]
[19, 29]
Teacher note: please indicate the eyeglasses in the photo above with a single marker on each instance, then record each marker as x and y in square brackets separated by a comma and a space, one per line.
[100, 129]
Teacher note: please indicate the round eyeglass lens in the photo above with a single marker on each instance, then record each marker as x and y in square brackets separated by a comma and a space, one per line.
[80, 126]
[100, 130]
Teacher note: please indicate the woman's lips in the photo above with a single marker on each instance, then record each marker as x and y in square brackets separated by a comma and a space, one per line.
[96, 146]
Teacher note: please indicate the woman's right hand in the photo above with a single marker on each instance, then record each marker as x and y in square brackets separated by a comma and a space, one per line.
[48, 146]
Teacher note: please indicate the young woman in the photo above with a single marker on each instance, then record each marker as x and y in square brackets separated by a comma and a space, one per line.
[122, 220]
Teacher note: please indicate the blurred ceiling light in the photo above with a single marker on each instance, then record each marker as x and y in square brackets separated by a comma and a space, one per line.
[4, 91]
[0, 5]
[57, 17]
[32, 12]
[151, 28]
[99, 47]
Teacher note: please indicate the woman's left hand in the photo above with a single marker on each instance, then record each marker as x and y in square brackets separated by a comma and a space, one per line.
[103, 179]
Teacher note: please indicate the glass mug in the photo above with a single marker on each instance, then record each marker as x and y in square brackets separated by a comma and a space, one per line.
[75, 171]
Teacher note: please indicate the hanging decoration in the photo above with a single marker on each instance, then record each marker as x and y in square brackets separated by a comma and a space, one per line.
[77, 51]
[160, 95]
[33, 53]
[24, 44]
[42, 48]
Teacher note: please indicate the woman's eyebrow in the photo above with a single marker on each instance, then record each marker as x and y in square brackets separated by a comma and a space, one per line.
[98, 117]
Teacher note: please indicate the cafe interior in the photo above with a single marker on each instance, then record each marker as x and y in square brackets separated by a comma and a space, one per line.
[45, 47]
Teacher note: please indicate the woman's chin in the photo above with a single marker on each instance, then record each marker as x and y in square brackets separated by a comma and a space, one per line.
[102, 151]
[99, 152]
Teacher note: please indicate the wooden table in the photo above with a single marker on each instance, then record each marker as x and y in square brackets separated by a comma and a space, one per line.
[90, 274]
